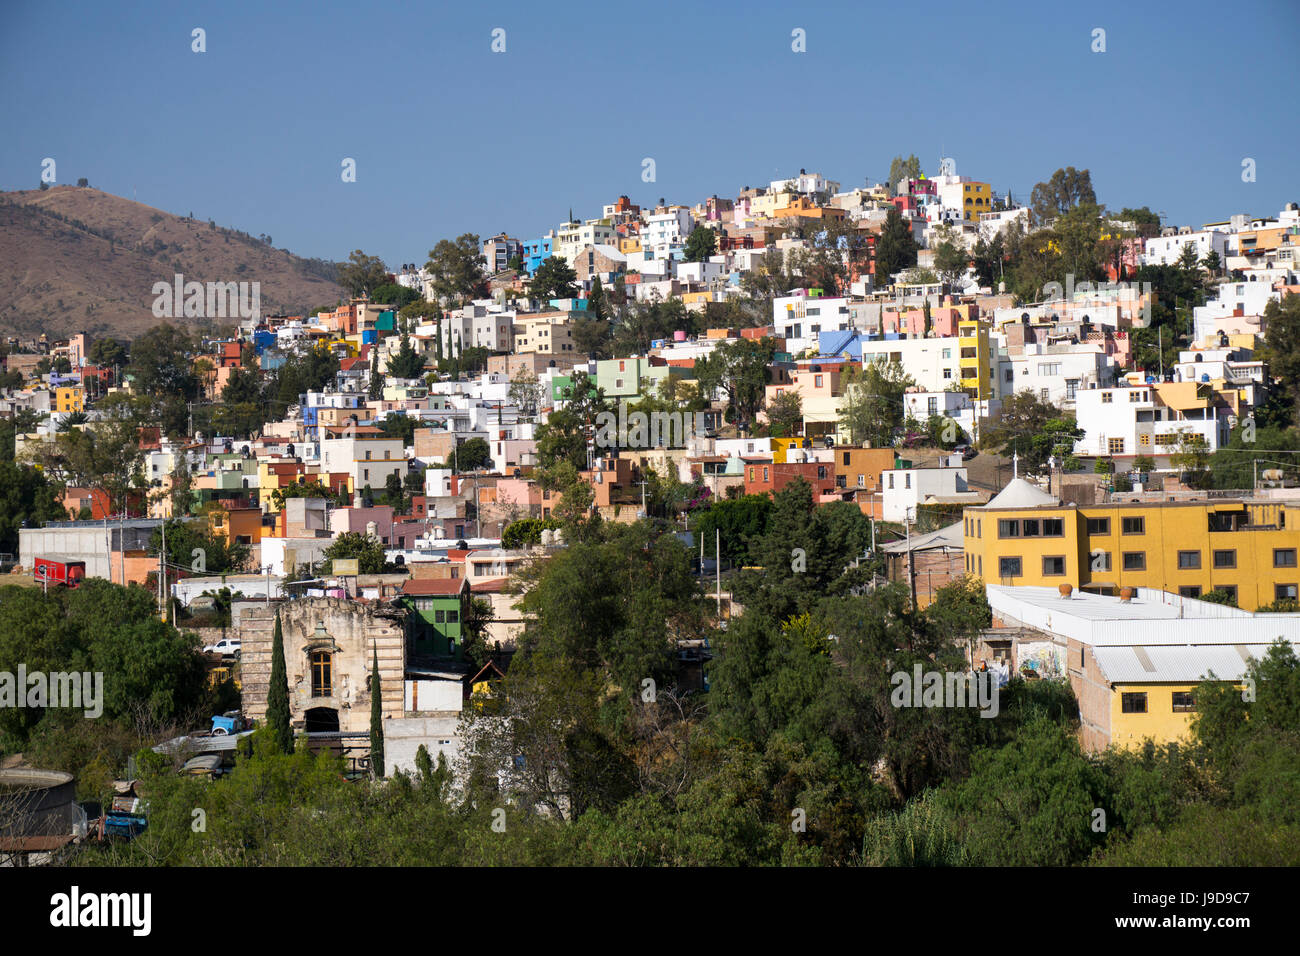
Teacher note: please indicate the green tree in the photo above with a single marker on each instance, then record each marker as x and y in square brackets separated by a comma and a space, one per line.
[1034, 429]
[406, 362]
[900, 169]
[456, 269]
[376, 719]
[872, 407]
[367, 549]
[740, 370]
[473, 454]
[1067, 188]
[362, 274]
[896, 249]
[554, 279]
[277, 694]
[700, 244]
[785, 412]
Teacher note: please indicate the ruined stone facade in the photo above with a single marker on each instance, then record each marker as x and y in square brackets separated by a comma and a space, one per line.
[328, 647]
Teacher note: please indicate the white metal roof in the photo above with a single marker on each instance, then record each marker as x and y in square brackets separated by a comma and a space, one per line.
[1153, 617]
[1021, 494]
[1176, 664]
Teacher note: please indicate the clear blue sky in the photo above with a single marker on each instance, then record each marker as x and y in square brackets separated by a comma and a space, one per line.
[449, 137]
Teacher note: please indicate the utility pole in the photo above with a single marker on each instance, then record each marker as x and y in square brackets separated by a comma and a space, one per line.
[717, 567]
[911, 564]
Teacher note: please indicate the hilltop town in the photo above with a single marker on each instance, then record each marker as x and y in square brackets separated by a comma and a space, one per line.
[683, 475]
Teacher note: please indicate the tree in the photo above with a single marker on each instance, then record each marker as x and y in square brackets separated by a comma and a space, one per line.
[376, 719]
[397, 425]
[785, 412]
[160, 363]
[376, 388]
[473, 454]
[406, 362]
[1282, 337]
[988, 261]
[1034, 429]
[597, 304]
[27, 497]
[1146, 222]
[900, 169]
[1067, 188]
[950, 258]
[277, 694]
[1212, 263]
[1188, 259]
[554, 279]
[107, 353]
[739, 369]
[872, 408]
[362, 273]
[700, 244]
[398, 296]
[456, 269]
[525, 392]
[896, 249]
[1192, 459]
[367, 549]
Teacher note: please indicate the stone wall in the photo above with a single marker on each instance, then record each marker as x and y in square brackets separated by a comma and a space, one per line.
[351, 632]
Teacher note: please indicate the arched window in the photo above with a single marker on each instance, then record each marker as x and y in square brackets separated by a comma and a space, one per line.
[322, 674]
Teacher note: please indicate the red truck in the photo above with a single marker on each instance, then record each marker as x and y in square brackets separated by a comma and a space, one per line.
[67, 573]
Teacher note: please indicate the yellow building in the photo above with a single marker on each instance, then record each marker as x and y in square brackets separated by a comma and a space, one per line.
[976, 198]
[1025, 537]
[973, 340]
[70, 398]
[1134, 665]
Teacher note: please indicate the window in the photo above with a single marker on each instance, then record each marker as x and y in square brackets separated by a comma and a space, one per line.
[453, 617]
[322, 676]
[1098, 526]
[1191, 591]
[1053, 565]
[907, 480]
[1285, 592]
[1029, 527]
[817, 381]
[1135, 560]
[439, 617]
[1225, 559]
[1133, 703]
[891, 481]
[1144, 441]
[1053, 528]
[765, 472]
[1134, 525]
[846, 459]
[1115, 446]
[1133, 397]
[1184, 701]
[1284, 557]
[1009, 567]
[1049, 368]
[1106, 398]
[1008, 528]
[862, 481]
[1188, 560]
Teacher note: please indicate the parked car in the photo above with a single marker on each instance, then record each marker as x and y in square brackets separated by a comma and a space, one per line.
[226, 647]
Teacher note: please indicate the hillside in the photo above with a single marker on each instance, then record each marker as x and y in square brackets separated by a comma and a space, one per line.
[77, 259]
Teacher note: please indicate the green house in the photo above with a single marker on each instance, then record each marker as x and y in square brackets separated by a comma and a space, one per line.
[437, 614]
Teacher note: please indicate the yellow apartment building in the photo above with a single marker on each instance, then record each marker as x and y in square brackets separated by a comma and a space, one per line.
[70, 398]
[1024, 537]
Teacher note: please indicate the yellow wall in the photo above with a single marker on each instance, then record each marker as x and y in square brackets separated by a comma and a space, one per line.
[973, 334]
[70, 398]
[1160, 722]
[1169, 527]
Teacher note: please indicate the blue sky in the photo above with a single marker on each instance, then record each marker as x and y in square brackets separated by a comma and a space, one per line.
[449, 137]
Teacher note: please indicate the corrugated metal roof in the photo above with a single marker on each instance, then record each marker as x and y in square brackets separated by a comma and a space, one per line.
[1172, 663]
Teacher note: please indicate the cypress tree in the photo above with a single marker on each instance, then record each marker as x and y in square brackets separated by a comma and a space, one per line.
[376, 720]
[277, 694]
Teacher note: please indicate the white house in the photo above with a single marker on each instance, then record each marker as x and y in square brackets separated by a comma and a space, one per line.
[905, 488]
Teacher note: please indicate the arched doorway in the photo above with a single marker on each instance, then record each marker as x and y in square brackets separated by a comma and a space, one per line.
[320, 720]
